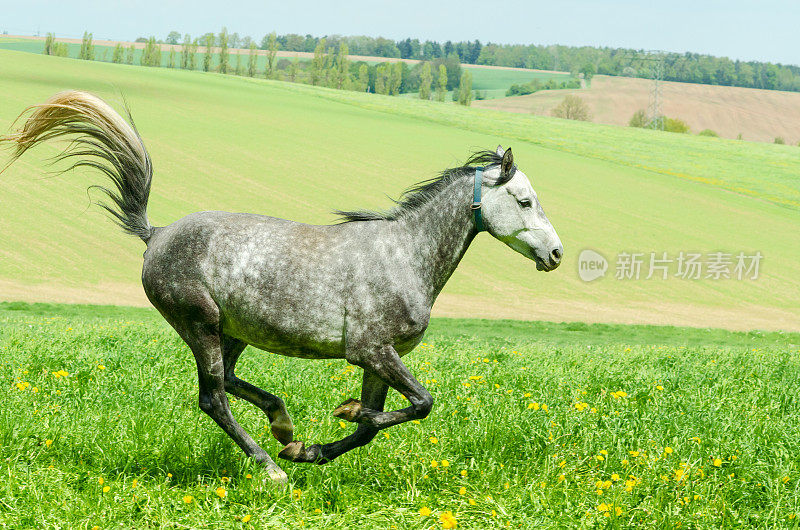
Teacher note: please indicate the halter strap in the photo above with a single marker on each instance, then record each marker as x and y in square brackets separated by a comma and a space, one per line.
[476, 199]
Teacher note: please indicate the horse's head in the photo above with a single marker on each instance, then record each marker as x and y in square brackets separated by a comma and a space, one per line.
[512, 213]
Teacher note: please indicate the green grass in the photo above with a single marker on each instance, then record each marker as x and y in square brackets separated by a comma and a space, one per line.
[296, 151]
[126, 413]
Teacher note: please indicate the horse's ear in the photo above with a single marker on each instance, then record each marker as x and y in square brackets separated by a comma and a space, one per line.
[507, 165]
[500, 151]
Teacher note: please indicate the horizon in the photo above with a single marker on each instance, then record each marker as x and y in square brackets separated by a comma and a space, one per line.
[736, 29]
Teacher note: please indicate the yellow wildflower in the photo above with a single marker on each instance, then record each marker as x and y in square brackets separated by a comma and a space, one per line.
[717, 462]
[615, 477]
[659, 387]
[445, 463]
[188, 499]
[100, 481]
[246, 518]
[527, 394]
[562, 478]
[633, 453]
[249, 476]
[668, 450]
[297, 493]
[604, 452]
[448, 520]
[221, 492]
[785, 479]
[106, 489]
[544, 407]
[424, 511]
[134, 483]
[603, 507]
[433, 440]
[462, 490]
[534, 406]
[472, 502]
[463, 472]
[618, 511]
[434, 463]
[343, 425]
[600, 457]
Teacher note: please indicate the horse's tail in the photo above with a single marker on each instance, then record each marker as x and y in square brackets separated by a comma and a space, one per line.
[101, 139]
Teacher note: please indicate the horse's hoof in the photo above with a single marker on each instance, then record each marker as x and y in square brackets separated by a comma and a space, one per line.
[350, 410]
[283, 430]
[296, 451]
[278, 476]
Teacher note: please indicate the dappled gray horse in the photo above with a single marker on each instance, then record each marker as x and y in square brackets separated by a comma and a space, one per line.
[361, 290]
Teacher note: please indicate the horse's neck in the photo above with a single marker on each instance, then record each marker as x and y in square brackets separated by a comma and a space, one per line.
[441, 231]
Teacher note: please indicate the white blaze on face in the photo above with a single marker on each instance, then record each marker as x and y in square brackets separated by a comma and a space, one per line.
[514, 216]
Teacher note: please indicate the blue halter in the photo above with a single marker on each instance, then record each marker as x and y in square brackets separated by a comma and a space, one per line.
[476, 200]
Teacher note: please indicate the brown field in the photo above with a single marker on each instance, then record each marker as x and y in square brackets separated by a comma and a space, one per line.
[759, 115]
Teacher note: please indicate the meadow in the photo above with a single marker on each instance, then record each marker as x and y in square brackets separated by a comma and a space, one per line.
[535, 425]
[227, 143]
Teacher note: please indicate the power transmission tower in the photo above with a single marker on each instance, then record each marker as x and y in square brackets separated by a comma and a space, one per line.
[655, 118]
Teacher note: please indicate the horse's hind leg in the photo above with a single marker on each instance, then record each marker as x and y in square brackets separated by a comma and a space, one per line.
[373, 396]
[205, 341]
[273, 406]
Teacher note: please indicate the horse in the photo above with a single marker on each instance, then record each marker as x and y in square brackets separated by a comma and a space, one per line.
[360, 289]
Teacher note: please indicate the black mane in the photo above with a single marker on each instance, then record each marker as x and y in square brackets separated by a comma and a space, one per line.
[421, 192]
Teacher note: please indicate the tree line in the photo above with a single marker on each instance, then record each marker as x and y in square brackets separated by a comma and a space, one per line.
[330, 65]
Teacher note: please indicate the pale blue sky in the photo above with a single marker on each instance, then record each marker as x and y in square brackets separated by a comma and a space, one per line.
[764, 30]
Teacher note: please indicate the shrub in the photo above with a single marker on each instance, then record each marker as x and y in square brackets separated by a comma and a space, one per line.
[572, 108]
[708, 132]
[675, 125]
[780, 140]
[639, 119]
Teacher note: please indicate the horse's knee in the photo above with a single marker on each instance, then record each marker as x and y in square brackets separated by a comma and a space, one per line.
[423, 406]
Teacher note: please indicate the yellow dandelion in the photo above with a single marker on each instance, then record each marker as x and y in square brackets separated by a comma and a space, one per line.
[659, 387]
[225, 480]
[717, 462]
[462, 490]
[297, 493]
[106, 489]
[494, 513]
[434, 463]
[101, 367]
[615, 477]
[534, 406]
[624, 462]
[246, 518]
[221, 492]
[343, 425]
[415, 422]
[134, 483]
[617, 511]
[544, 407]
[445, 463]
[188, 499]
[634, 454]
[317, 510]
[424, 511]
[562, 478]
[169, 475]
[472, 502]
[695, 439]
[433, 440]
[448, 520]
[463, 472]
[603, 507]
[604, 452]
[527, 394]
[562, 463]
[600, 457]
[100, 481]
[248, 476]
[668, 450]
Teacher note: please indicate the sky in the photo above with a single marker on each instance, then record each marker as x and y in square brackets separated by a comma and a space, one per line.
[765, 30]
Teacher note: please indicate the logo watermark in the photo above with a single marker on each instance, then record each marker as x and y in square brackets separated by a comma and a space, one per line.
[662, 265]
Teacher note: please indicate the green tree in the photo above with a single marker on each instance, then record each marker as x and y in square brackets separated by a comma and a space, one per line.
[272, 52]
[395, 71]
[60, 49]
[425, 80]
[441, 83]
[151, 56]
[363, 78]
[224, 59]
[207, 58]
[119, 51]
[465, 89]
[639, 119]
[129, 54]
[381, 79]
[779, 140]
[173, 37]
[48, 43]
[186, 50]
[572, 108]
[293, 71]
[87, 48]
[252, 60]
[342, 67]
[318, 63]
[675, 125]
[588, 70]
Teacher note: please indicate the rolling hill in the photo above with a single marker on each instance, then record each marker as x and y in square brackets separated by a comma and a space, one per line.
[296, 151]
[759, 115]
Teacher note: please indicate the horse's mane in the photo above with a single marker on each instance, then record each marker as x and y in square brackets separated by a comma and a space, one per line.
[421, 192]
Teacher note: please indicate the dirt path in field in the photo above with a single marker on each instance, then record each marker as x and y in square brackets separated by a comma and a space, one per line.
[758, 115]
[279, 53]
[462, 306]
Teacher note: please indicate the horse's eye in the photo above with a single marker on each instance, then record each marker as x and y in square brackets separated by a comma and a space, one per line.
[525, 203]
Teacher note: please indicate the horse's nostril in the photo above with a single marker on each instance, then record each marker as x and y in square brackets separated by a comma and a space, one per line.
[556, 254]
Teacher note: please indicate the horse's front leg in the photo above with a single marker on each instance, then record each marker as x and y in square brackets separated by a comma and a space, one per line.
[387, 365]
[373, 395]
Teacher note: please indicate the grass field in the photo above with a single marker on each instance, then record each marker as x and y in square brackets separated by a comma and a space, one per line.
[535, 425]
[227, 143]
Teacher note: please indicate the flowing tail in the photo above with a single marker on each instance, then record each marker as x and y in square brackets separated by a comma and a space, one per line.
[101, 139]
